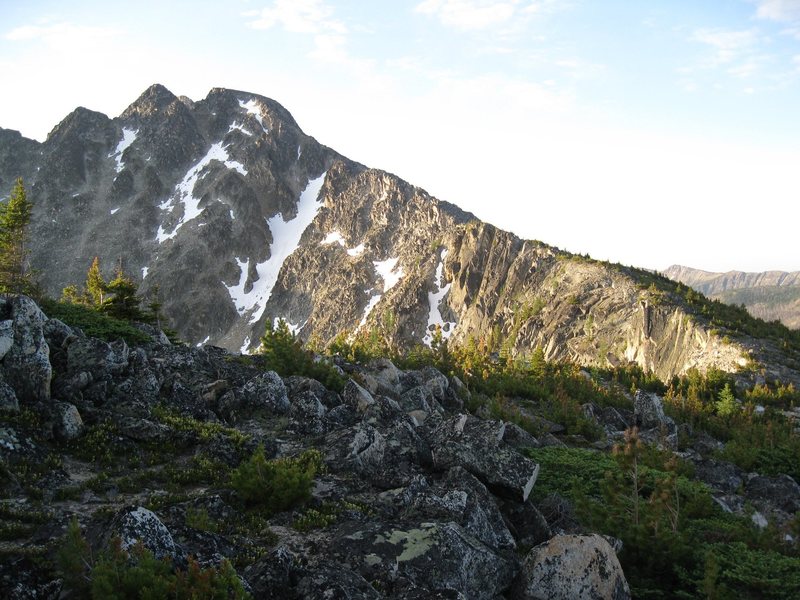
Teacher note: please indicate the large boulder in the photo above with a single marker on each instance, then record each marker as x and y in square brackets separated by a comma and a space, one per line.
[307, 414]
[26, 362]
[357, 397]
[431, 556]
[781, 492]
[101, 359]
[265, 391]
[478, 447]
[572, 566]
[68, 423]
[648, 411]
[136, 524]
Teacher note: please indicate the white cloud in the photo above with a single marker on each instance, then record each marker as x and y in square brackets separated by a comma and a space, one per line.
[778, 10]
[468, 14]
[297, 16]
[727, 45]
[474, 15]
[59, 34]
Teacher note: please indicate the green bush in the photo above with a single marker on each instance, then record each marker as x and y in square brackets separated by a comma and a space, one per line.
[279, 484]
[284, 354]
[138, 575]
[736, 571]
[92, 322]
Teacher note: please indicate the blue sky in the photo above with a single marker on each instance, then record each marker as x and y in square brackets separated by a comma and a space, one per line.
[648, 133]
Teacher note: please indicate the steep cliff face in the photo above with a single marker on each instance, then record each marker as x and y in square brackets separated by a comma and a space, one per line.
[240, 218]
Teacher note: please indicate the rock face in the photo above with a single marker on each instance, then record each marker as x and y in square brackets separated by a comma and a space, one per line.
[241, 218]
[24, 353]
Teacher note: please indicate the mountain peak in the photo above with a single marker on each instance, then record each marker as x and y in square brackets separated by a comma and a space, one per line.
[153, 99]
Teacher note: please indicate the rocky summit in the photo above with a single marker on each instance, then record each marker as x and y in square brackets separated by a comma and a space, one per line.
[239, 218]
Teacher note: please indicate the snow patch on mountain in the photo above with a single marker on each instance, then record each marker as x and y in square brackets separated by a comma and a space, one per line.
[334, 237]
[128, 137]
[236, 127]
[113, 211]
[389, 272]
[293, 327]
[184, 191]
[145, 270]
[373, 302]
[252, 108]
[434, 300]
[285, 240]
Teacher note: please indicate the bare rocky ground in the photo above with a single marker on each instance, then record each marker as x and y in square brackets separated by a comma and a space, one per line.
[414, 496]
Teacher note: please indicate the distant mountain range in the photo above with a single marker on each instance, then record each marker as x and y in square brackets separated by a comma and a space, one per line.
[768, 295]
[240, 218]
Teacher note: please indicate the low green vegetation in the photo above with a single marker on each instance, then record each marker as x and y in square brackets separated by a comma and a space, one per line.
[276, 485]
[136, 574]
[677, 543]
[283, 353]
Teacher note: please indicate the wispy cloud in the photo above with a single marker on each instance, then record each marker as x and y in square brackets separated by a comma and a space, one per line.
[297, 16]
[474, 15]
[59, 33]
[728, 46]
[317, 19]
[778, 10]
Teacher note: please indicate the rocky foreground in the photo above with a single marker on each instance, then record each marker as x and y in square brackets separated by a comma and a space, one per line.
[414, 497]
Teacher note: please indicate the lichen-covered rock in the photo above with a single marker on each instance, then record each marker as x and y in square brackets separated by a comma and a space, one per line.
[477, 446]
[382, 377]
[434, 556]
[307, 414]
[526, 523]
[142, 430]
[415, 399]
[719, 475]
[357, 397]
[648, 411]
[137, 524]
[435, 382]
[569, 567]
[781, 492]
[8, 399]
[26, 363]
[97, 357]
[57, 333]
[6, 337]
[265, 391]
[333, 582]
[68, 421]
[274, 576]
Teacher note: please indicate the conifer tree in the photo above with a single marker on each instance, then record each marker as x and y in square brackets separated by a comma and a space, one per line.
[726, 402]
[95, 284]
[122, 301]
[15, 216]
